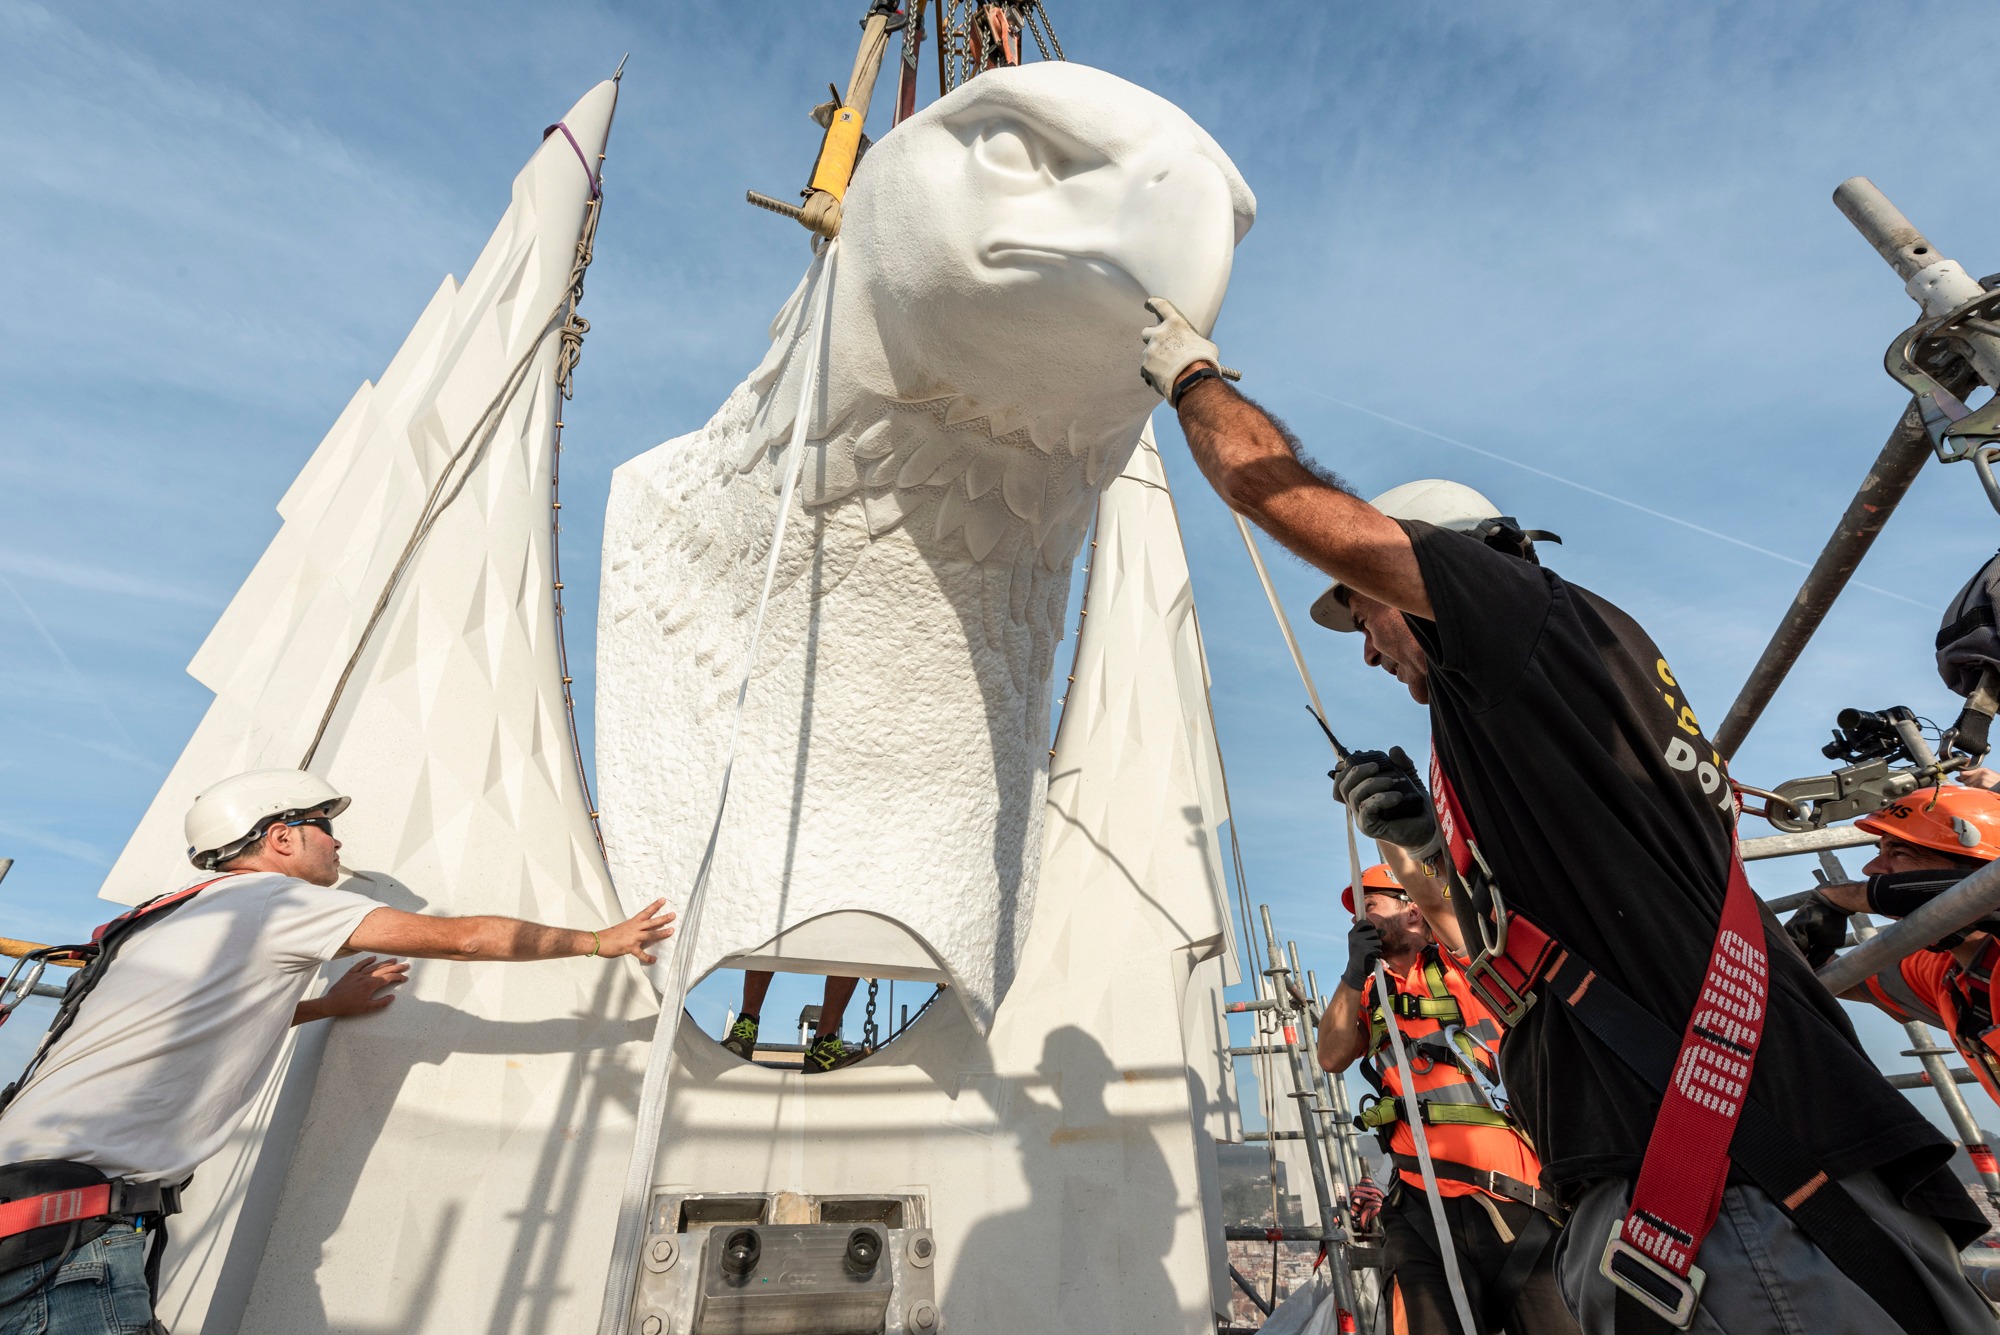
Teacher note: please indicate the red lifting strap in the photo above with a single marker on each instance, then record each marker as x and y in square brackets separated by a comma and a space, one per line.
[54, 1207]
[1687, 1160]
[1686, 1166]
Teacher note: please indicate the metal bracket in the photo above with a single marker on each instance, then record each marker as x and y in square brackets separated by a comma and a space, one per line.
[1921, 359]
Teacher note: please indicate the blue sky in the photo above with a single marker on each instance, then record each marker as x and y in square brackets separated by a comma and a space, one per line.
[1591, 239]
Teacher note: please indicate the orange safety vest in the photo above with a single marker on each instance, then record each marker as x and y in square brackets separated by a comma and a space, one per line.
[1933, 985]
[1453, 1043]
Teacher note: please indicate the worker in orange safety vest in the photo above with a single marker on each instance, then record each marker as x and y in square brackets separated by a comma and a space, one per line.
[1503, 1224]
[1930, 841]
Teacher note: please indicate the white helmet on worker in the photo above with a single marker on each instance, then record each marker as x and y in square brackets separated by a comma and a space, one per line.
[1448, 505]
[227, 817]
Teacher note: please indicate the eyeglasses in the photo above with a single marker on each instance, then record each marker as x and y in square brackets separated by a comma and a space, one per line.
[323, 823]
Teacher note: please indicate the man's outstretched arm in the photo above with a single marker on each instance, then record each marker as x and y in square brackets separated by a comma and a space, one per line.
[1254, 465]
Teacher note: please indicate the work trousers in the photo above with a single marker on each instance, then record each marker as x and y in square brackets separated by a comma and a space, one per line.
[1419, 1291]
[99, 1290]
[1765, 1274]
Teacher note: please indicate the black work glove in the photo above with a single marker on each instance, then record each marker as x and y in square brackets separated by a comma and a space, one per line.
[1364, 947]
[1388, 803]
[1818, 929]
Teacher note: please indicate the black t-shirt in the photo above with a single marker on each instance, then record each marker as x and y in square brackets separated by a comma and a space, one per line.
[1605, 816]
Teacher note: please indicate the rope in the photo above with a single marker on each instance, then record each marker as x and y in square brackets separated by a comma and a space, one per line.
[488, 422]
[567, 357]
[650, 1120]
[1452, 1276]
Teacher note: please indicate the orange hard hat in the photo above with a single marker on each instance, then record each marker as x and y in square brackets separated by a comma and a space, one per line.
[1962, 821]
[1377, 877]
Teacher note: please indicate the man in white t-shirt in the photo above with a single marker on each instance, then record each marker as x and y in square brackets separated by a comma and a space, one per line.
[160, 1061]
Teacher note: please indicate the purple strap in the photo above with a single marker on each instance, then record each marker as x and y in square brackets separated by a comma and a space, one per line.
[595, 189]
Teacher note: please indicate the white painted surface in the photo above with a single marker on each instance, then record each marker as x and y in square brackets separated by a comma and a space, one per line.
[981, 389]
[454, 1166]
[1067, 1153]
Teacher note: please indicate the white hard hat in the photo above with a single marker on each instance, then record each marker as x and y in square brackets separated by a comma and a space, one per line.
[228, 815]
[1448, 505]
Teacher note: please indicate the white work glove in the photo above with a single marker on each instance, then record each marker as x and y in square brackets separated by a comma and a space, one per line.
[1171, 347]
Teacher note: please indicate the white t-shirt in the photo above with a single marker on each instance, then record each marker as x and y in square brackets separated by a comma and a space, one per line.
[176, 1040]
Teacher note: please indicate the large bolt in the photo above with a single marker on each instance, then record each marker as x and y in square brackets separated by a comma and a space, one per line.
[663, 1251]
[922, 1250]
[923, 1316]
[652, 1325]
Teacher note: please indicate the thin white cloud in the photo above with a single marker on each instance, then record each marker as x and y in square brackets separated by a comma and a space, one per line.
[64, 573]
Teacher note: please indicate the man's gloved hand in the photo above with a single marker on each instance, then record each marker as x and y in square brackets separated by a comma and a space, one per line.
[1171, 347]
[1365, 1204]
[1388, 803]
[1364, 947]
[1818, 929]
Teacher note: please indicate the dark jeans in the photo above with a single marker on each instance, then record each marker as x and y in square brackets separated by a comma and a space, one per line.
[1415, 1267]
[100, 1290]
[1765, 1276]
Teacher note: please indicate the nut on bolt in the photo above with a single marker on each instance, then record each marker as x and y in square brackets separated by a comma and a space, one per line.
[664, 1250]
[923, 1316]
[923, 1249]
[653, 1325]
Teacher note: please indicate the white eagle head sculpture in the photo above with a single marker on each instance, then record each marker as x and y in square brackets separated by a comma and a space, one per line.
[978, 387]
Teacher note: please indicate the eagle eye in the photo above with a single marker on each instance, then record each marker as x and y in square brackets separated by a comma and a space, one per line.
[1002, 147]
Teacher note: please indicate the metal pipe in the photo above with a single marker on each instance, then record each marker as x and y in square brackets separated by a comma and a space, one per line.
[1252, 1233]
[1922, 1079]
[1256, 1298]
[1961, 906]
[1806, 841]
[1329, 1222]
[1937, 284]
[1888, 480]
[1336, 1096]
[1786, 903]
[1323, 1122]
[1883, 226]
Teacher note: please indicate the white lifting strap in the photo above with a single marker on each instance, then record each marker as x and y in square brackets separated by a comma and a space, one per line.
[633, 1205]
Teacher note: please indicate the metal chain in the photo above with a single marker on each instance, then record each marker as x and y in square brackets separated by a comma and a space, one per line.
[869, 1033]
[965, 46]
[1038, 23]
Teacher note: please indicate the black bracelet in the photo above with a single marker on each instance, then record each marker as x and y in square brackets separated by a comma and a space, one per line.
[1182, 385]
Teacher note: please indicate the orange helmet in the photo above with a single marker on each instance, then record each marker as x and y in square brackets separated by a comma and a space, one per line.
[1378, 878]
[1964, 822]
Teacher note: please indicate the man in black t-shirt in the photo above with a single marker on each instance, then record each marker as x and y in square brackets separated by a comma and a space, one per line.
[1606, 814]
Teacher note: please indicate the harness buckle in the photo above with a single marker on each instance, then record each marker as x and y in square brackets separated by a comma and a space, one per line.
[1656, 1288]
[1507, 1003]
[1494, 992]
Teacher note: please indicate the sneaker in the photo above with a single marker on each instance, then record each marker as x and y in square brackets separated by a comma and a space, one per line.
[828, 1053]
[742, 1039]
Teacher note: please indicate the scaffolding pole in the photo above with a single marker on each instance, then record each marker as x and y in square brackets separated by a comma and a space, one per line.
[1331, 1227]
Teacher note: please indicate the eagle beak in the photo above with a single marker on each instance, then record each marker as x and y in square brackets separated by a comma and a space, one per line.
[1179, 236]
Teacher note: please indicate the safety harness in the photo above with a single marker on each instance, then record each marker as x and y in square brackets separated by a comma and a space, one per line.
[50, 1207]
[1706, 1116]
[1456, 1079]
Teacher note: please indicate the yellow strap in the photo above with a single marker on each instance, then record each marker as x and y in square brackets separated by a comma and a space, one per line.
[1384, 1112]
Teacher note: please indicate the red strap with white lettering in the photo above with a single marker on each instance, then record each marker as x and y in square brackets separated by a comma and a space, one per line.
[1679, 1192]
[1687, 1160]
[55, 1207]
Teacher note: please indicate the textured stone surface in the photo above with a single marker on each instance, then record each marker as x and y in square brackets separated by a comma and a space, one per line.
[455, 1165]
[1067, 1153]
[980, 390]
